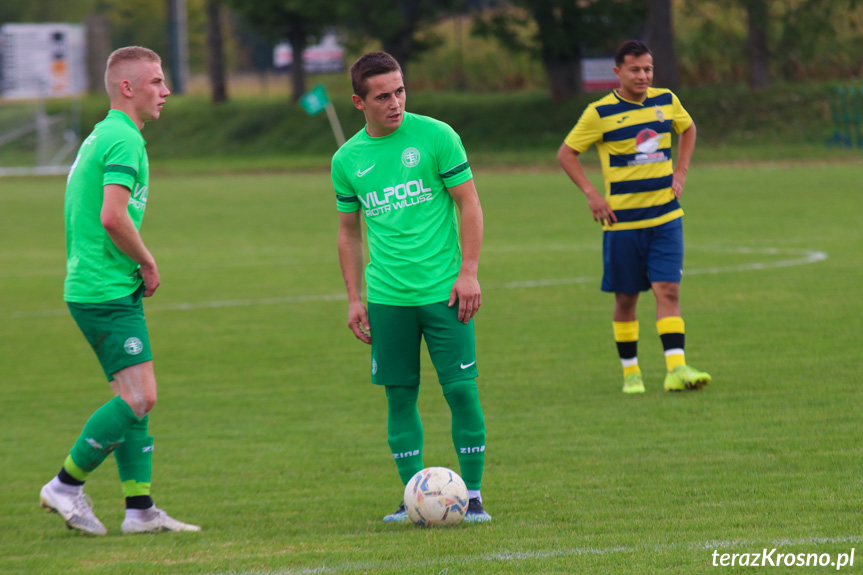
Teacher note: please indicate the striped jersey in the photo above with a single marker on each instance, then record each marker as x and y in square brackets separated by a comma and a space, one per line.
[634, 144]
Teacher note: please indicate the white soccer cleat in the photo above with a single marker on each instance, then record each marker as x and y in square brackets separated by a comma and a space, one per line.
[157, 522]
[76, 509]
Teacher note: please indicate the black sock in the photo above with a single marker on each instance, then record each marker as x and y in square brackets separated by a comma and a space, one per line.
[64, 477]
[139, 502]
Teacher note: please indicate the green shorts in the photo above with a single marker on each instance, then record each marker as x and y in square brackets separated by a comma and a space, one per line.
[116, 330]
[396, 335]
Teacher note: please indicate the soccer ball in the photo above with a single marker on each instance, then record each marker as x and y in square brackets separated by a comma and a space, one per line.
[436, 496]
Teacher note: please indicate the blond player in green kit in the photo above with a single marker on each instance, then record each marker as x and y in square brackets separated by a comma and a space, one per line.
[407, 174]
[108, 272]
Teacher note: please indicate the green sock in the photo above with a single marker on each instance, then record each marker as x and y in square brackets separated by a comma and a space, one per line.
[405, 430]
[468, 429]
[135, 459]
[102, 434]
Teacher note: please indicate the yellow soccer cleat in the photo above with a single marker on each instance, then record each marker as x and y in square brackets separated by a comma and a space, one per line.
[685, 377]
[633, 383]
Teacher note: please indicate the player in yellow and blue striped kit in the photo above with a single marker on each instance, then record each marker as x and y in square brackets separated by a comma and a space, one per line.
[640, 212]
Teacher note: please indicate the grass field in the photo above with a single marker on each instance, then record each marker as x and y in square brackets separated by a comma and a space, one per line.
[269, 435]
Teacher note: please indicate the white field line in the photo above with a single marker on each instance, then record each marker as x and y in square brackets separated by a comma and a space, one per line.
[739, 545]
[799, 257]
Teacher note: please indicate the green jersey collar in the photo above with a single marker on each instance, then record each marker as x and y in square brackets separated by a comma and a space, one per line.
[123, 117]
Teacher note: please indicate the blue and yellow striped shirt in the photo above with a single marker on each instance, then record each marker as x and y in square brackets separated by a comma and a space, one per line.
[634, 144]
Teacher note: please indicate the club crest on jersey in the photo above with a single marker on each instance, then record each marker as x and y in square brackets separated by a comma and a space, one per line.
[659, 114]
[411, 157]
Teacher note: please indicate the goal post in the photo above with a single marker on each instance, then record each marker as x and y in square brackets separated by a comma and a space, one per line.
[34, 141]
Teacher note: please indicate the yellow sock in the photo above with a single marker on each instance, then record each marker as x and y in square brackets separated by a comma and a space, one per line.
[630, 369]
[672, 333]
[626, 338]
[673, 360]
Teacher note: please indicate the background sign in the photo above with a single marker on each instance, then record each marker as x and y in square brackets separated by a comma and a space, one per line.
[321, 58]
[597, 74]
[42, 61]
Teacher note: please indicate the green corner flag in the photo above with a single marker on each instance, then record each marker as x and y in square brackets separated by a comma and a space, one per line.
[315, 101]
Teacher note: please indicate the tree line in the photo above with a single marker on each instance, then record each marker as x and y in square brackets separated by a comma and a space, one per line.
[693, 41]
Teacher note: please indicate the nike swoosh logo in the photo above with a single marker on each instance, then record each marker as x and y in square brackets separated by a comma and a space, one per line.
[361, 173]
[463, 366]
[619, 121]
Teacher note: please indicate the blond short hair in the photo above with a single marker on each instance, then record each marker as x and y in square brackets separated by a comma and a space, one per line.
[128, 54]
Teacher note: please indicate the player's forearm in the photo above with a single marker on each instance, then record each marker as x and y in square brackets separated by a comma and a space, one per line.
[568, 160]
[685, 149]
[351, 261]
[115, 218]
[125, 236]
[471, 236]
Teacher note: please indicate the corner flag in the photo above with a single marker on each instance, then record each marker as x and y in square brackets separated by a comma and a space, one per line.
[315, 101]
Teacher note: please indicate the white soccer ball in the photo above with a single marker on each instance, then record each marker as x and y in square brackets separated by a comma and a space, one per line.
[436, 496]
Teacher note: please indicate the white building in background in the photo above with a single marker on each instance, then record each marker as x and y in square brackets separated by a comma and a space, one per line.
[322, 58]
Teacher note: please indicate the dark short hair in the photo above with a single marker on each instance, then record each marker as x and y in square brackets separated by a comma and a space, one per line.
[368, 65]
[633, 48]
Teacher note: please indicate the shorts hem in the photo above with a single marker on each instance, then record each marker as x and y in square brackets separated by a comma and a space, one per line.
[114, 368]
[398, 384]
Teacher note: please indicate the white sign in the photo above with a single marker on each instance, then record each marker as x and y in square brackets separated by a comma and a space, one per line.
[42, 61]
[597, 74]
[328, 56]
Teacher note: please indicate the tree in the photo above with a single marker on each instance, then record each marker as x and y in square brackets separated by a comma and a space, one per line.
[298, 21]
[757, 51]
[215, 52]
[565, 32]
[660, 38]
[394, 24]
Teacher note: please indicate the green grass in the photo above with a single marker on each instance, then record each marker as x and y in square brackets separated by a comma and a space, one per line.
[269, 434]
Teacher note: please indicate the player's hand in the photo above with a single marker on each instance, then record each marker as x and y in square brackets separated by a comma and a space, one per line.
[358, 322]
[677, 184]
[599, 209]
[467, 293]
[150, 275]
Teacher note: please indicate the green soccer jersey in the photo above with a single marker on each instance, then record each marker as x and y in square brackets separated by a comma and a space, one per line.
[400, 183]
[114, 153]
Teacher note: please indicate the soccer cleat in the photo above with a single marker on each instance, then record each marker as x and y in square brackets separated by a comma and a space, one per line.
[76, 510]
[475, 513]
[633, 383]
[157, 522]
[685, 377]
[399, 515]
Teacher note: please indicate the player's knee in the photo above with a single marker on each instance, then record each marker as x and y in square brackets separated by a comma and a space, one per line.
[142, 403]
[670, 294]
[149, 402]
[459, 393]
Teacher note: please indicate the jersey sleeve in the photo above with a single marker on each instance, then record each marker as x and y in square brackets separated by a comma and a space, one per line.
[682, 120]
[346, 197]
[453, 166]
[122, 161]
[586, 131]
